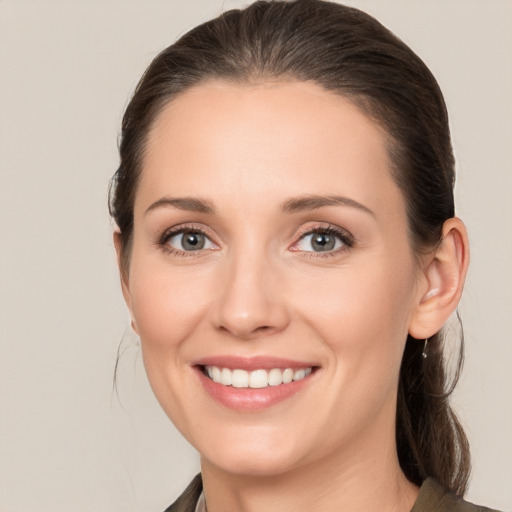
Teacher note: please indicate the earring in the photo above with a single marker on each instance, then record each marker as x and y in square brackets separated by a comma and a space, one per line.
[424, 353]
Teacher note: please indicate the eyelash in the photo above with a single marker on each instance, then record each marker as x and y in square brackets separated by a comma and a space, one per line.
[167, 235]
[344, 236]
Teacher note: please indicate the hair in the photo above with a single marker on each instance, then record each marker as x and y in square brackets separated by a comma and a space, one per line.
[349, 53]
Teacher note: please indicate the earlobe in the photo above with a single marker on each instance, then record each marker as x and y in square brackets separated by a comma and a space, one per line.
[444, 276]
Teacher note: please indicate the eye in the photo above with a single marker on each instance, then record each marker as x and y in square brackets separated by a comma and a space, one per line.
[189, 240]
[323, 240]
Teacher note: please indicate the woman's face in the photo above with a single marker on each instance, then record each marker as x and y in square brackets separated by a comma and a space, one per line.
[271, 244]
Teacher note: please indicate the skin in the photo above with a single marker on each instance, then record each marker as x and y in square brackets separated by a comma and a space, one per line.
[258, 288]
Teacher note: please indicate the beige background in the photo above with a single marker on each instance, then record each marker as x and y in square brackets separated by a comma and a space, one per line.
[66, 71]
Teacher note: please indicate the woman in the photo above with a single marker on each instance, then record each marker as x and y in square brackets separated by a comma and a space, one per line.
[289, 254]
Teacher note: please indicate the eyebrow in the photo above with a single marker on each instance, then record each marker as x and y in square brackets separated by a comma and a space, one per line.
[311, 202]
[190, 204]
[293, 205]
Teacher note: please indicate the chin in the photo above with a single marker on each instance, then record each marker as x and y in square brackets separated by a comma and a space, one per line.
[263, 466]
[264, 458]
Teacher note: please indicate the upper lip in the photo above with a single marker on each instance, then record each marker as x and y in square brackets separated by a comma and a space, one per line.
[251, 363]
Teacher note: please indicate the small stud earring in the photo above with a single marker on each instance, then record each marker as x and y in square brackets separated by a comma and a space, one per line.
[424, 353]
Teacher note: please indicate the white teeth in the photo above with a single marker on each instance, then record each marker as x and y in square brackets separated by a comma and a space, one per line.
[226, 377]
[299, 374]
[287, 376]
[216, 374]
[275, 377]
[257, 378]
[240, 379]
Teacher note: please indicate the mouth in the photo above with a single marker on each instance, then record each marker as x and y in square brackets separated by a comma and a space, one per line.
[256, 379]
[256, 383]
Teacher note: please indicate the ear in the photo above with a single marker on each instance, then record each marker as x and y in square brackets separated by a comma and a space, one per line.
[123, 274]
[443, 280]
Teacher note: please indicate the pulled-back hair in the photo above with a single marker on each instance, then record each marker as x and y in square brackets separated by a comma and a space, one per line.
[349, 53]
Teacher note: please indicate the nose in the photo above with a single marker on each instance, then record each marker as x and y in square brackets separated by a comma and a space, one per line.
[250, 302]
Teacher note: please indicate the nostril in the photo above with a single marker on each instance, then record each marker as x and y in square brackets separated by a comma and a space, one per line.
[263, 328]
[249, 332]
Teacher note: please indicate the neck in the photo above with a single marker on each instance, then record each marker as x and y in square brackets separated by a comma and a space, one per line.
[363, 478]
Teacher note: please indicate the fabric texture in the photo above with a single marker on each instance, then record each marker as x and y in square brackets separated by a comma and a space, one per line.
[188, 500]
[432, 498]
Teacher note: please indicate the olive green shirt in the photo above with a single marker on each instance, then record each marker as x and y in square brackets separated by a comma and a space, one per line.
[432, 498]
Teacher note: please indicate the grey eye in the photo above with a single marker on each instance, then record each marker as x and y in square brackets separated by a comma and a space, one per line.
[190, 241]
[319, 242]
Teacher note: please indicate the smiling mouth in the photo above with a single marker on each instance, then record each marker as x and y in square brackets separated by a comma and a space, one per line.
[256, 379]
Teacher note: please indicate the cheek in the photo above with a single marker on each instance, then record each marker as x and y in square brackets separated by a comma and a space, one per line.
[166, 304]
[167, 307]
[359, 299]
[362, 315]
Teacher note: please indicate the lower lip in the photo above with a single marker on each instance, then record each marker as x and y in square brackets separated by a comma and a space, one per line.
[251, 399]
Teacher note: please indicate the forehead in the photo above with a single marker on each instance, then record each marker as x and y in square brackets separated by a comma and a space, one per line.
[270, 139]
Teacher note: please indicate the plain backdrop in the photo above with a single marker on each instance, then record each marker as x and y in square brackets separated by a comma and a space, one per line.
[67, 69]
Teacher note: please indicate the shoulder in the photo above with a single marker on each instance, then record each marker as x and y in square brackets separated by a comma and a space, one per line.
[188, 500]
[432, 498]
[435, 498]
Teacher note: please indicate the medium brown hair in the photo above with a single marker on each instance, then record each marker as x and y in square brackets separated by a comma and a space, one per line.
[347, 52]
